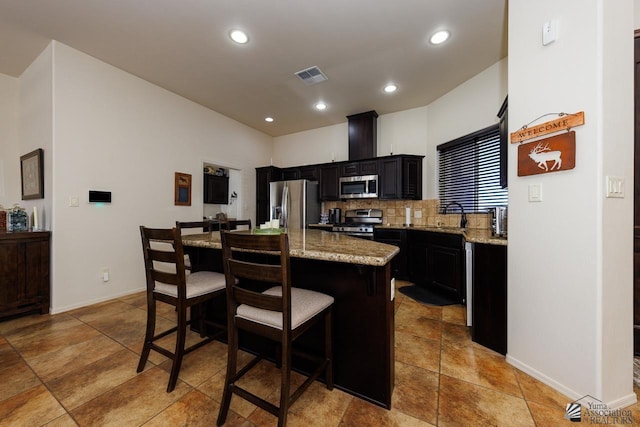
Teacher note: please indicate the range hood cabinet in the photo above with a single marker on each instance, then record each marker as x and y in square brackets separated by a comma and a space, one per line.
[363, 136]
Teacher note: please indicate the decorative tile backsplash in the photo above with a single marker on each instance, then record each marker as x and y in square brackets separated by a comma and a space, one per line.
[423, 212]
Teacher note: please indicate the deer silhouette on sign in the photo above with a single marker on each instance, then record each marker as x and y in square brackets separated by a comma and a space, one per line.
[543, 154]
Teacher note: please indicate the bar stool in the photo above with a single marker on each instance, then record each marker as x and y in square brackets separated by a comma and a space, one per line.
[167, 282]
[281, 313]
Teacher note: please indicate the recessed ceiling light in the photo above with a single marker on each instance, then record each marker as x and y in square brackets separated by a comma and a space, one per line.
[390, 88]
[321, 106]
[239, 36]
[439, 37]
[268, 119]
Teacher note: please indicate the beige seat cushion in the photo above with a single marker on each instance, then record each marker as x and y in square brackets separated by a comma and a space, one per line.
[304, 305]
[200, 283]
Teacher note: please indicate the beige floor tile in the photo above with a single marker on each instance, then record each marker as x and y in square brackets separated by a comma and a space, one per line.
[361, 413]
[193, 409]
[201, 364]
[63, 421]
[455, 313]
[538, 392]
[416, 392]
[33, 407]
[97, 311]
[465, 404]
[479, 366]
[87, 382]
[33, 344]
[549, 415]
[74, 356]
[138, 299]
[7, 326]
[414, 323]
[16, 376]
[421, 310]
[132, 403]
[417, 351]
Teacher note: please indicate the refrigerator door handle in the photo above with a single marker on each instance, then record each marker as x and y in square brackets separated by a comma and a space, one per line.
[285, 206]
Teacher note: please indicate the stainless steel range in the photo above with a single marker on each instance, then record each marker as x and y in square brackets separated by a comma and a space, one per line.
[359, 222]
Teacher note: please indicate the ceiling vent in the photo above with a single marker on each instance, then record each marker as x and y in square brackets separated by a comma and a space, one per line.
[311, 75]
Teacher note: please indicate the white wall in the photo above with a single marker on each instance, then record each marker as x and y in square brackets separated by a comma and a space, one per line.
[569, 258]
[470, 107]
[36, 126]
[9, 149]
[113, 131]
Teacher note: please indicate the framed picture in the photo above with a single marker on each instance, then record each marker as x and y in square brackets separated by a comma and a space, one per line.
[182, 189]
[32, 174]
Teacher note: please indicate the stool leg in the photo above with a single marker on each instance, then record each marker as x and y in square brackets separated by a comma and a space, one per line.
[179, 351]
[148, 336]
[232, 360]
[285, 375]
[328, 349]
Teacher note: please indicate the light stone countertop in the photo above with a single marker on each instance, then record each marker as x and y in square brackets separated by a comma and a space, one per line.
[318, 245]
[472, 235]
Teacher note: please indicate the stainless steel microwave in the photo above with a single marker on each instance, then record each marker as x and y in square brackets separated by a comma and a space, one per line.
[359, 187]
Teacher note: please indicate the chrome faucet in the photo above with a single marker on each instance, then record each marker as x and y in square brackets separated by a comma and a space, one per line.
[463, 217]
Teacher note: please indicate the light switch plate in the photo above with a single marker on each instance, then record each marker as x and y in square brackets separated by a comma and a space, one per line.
[615, 187]
[535, 192]
[549, 32]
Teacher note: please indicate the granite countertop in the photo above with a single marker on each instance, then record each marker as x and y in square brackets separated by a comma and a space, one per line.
[473, 235]
[316, 244]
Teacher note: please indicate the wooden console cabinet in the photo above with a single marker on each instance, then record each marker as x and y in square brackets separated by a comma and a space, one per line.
[24, 272]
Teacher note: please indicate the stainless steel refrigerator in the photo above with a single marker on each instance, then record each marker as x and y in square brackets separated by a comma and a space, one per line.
[295, 203]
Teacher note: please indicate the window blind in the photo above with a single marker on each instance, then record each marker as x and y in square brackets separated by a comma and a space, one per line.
[469, 171]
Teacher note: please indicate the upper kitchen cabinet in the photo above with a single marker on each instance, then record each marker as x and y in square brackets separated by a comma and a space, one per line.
[264, 176]
[363, 167]
[400, 177]
[216, 189]
[290, 173]
[504, 141]
[363, 131]
[310, 172]
[329, 187]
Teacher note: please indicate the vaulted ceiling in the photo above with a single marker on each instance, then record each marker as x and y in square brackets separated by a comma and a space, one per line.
[183, 46]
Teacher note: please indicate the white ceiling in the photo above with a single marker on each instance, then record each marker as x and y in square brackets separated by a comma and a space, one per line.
[182, 45]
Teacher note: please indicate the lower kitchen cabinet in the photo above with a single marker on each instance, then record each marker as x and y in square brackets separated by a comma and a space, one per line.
[397, 238]
[24, 272]
[489, 300]
[436, 262]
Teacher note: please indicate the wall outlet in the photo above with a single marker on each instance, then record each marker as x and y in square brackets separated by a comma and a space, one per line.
[438, 221]
[417, 214]
[105, 274]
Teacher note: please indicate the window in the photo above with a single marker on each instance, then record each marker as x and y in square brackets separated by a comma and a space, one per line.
[469, 171]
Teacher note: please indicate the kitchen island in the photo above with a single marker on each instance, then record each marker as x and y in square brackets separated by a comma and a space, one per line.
[357, 274]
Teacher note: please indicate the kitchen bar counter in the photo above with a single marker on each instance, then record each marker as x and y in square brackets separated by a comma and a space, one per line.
[473, 235]
[317, 245]
[357, 274]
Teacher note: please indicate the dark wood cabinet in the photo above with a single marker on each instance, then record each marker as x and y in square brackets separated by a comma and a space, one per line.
[309, 172]
[364, 167]
[290, 173]
[436, 262]
[264, 176]
[24, 272]
[216, 189]
[489, 299]
[400, 177]
[363, 130]
[397, 238]
[329, 186]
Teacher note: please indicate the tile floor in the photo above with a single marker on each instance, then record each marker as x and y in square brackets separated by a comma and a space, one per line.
[78, 368]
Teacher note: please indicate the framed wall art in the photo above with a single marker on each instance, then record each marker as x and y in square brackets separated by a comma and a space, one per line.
[182, 189]
[32, 175]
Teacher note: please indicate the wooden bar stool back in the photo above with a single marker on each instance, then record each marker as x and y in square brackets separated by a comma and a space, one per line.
[281, 313]
[168, 282]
